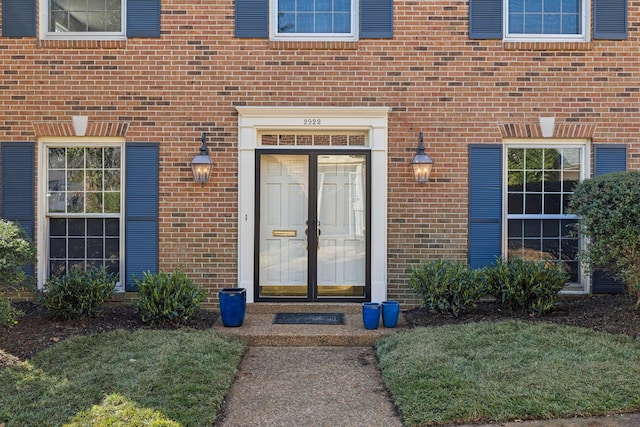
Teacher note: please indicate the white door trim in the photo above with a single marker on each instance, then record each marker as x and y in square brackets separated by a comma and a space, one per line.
[252, 120]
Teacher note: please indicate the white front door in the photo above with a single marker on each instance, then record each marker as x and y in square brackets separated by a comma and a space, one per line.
[313, 226]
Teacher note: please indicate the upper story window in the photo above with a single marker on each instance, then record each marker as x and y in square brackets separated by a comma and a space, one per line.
[313, 19]
[84, 18]
[545, 19]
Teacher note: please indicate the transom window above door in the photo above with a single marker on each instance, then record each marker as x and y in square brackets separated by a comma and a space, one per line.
[546, 19]
[313, 19]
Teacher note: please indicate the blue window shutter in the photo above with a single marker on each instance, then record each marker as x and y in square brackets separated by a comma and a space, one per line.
[485, 19]
[485, 204]
[141, 211]
[610, 19]
[143, 18]
[376, 19]
[18, 18]
[18, 178]
[608, 158]
[252, 18]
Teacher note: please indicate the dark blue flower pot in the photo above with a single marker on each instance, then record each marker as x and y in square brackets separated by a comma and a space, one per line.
[233, 306]
[390, 313]
[371, 315]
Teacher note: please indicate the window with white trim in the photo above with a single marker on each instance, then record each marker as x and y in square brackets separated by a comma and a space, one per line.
[83, 219]
[539, 182]
[546, 19]
[82, 18]
[313, 19]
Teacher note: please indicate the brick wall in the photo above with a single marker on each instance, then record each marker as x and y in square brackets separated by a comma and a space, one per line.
[457, 91]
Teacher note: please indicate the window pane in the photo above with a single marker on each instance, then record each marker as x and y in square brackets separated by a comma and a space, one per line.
[286, 23]
[76, 227]
[550, 175]
[533, 204]
[532, 6]
[111, 227]
[516, 203]
[95, 227]
[94, 158]
[552, 6]
[76, 248]
[323, 23]
[552, 203]
[80, 250]
[77, 187]
[515, 228]
[58, 227]
[57, 248]
[533, 24]
[532, 228]
[314, 16]
[551, 228]
[304, 23]
[85, 15]
[94, 248]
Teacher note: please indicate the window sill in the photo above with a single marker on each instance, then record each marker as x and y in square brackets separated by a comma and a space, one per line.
[546, 46]
[82, 44]
[313, 45]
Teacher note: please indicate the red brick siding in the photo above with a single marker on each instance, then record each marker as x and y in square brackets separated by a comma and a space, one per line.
[457, 91]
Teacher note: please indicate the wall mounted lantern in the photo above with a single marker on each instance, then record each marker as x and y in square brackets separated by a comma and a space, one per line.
[202, 165]
[421, 163]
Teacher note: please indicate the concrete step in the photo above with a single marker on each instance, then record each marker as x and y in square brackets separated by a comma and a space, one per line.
[270, 308]
[258, 330]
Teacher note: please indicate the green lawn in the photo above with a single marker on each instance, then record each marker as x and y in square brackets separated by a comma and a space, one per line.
[147, 377]
[509, 370]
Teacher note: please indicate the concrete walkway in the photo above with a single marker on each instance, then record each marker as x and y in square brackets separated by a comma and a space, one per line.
[327, 375]
[309, 386]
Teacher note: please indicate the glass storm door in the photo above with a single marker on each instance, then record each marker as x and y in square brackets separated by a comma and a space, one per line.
[312, 239]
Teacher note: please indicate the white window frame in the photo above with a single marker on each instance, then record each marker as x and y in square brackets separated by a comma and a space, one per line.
[274, 35]
[585, 173]
[45, 34]
[44, 144]
[583, 37]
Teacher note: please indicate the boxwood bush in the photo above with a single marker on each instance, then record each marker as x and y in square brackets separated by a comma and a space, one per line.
[79, 293]
[526, 285]
[167, 298]
[447, 286]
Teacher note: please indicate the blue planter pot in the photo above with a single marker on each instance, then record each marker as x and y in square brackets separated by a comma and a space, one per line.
[371, 315]
[233, 306]
[390, 313]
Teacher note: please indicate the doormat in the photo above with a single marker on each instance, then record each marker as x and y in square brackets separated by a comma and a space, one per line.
[309, 319]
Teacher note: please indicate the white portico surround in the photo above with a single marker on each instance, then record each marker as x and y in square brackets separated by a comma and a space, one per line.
[254, 120]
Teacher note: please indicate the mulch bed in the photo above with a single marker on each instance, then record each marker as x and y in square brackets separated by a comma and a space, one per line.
[37, 329]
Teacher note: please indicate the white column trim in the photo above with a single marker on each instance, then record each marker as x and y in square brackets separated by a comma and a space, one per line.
[252, 120]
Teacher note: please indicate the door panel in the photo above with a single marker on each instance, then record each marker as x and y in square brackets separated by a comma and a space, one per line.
[341, 257]
[283, 206]
[312, 244]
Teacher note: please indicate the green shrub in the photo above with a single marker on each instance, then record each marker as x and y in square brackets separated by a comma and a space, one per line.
[609, 216]
[16, 251]
[8, 313]
[526, 285]
[446, 287]
[168, 298]
[79, 293]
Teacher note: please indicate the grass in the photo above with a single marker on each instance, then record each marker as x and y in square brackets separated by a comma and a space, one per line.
[509, 370]
[120, 378]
